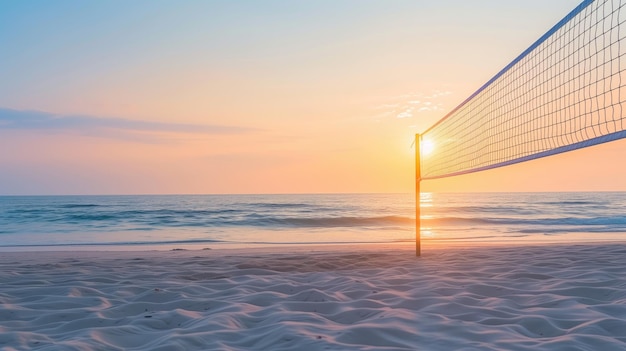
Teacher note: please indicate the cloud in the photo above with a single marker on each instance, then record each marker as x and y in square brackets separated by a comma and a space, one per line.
[409, 105]
[103, 126]
[406, 114]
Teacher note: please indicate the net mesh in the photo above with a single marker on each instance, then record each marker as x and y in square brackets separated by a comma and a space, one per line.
[564, 92]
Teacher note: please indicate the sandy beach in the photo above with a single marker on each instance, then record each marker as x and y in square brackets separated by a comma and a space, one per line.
[548, 297]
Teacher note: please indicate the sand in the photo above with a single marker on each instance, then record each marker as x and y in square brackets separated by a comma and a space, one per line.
[548, 297]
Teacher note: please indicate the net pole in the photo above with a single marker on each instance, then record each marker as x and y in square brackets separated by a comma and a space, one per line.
[418, 177]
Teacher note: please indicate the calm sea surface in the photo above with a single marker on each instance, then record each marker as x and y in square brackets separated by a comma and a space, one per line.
[147, 222]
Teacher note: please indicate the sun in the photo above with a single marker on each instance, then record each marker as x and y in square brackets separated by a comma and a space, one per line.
[426, 147]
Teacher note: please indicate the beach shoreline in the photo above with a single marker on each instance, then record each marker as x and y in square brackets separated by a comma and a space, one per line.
[471, 297]
[582, 238]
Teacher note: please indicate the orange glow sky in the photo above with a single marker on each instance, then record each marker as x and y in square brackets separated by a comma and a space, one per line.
[157, 97]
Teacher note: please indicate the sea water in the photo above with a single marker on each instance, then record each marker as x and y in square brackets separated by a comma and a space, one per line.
[205, 221]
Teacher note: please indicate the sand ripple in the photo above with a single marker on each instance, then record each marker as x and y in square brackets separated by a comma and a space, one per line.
[521, 298]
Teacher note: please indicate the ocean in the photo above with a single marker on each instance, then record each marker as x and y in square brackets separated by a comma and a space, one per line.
[206, 221]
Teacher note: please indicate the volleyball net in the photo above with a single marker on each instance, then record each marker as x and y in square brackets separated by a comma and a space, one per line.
[565, 92]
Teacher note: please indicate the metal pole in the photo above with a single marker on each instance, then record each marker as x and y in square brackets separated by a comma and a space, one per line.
[418, 176]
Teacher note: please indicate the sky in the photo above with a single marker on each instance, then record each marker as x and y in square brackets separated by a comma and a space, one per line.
[203, 97]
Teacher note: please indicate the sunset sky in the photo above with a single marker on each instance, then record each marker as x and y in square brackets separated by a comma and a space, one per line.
[185, 97]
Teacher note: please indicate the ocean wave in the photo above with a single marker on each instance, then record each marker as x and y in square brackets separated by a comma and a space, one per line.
[572, 229]
[323, 222]
[575, 203]
[483, 209]
[573, 221]
[79, 205]
[455, 221]
[142, 215]
[278, 205]
[163, 218]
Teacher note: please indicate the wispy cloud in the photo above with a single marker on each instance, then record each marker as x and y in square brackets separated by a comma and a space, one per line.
[410, 105]
[103, 126]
